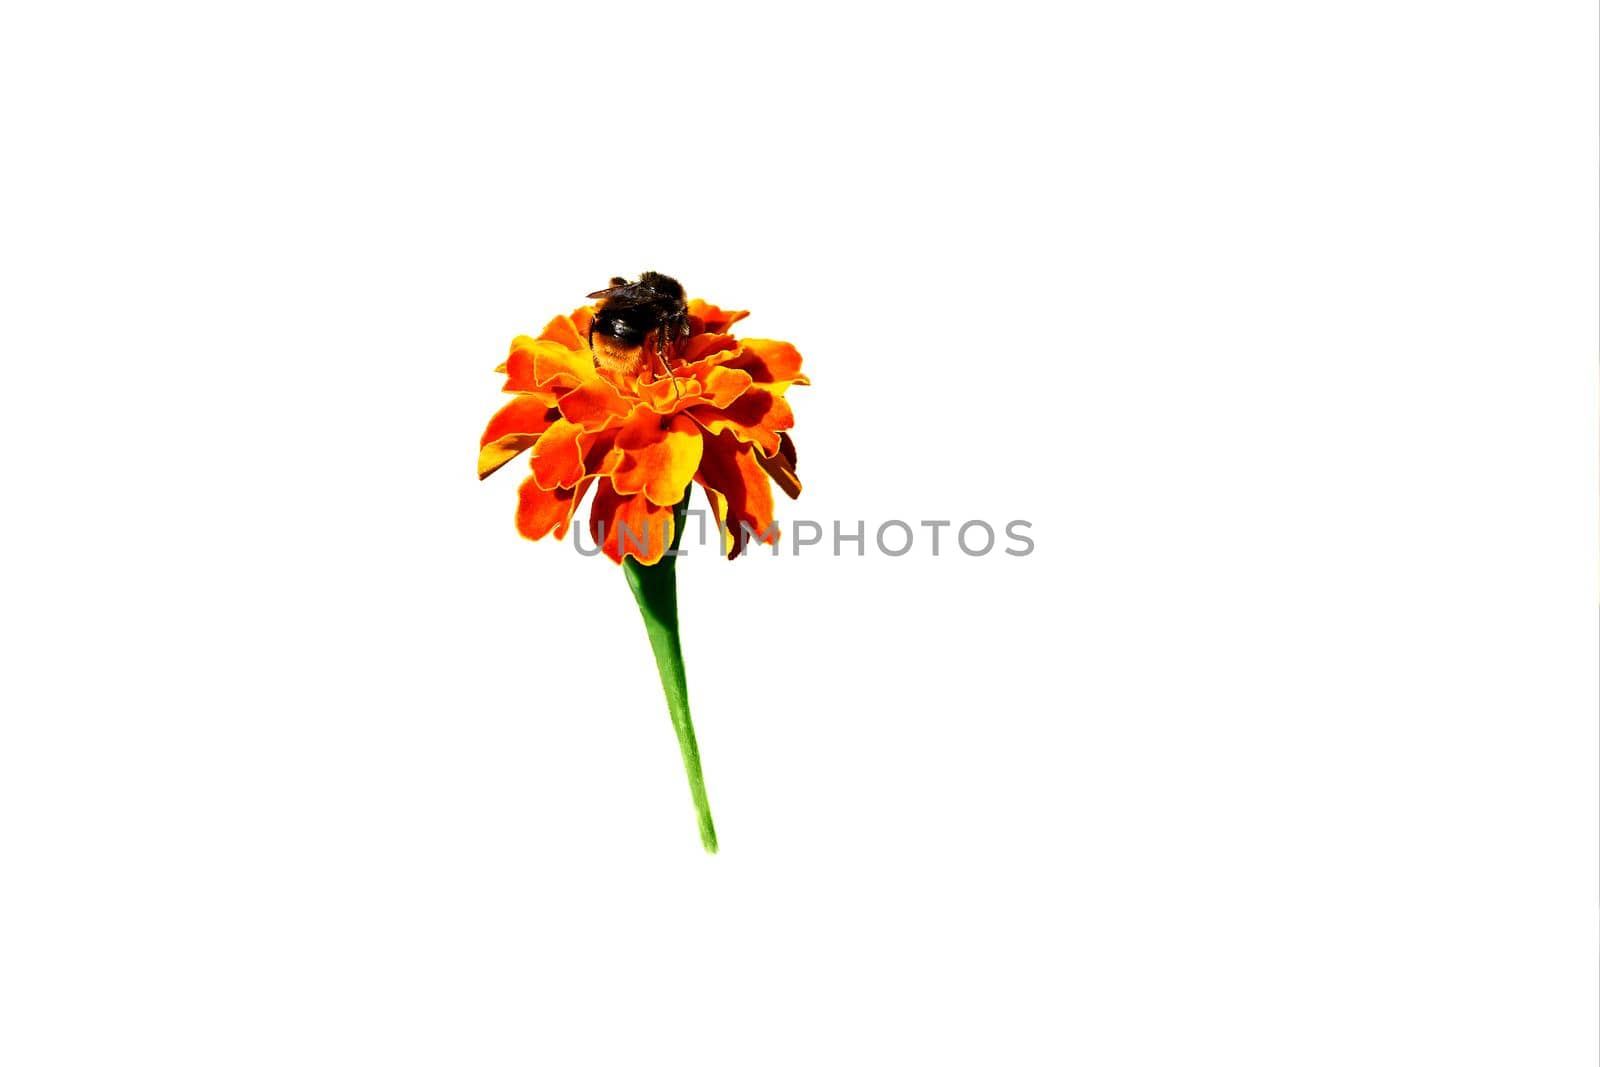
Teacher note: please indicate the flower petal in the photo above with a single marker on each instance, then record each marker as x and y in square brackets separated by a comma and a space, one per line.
[557, 459]
[659, 460]
[582, 319]
[600, 454]
[629, 525]
[541, 511]
[781, 472]
[593, 404]
[702, 347]
[719, 515]
[557, 367]
[493, 456]
[513, 428]
[767, 361]
[739, 490]
[668, 394]
[721, 386]
[562, 331]
[519, 371]
[524, 375]
[757, 417]
[708, 318]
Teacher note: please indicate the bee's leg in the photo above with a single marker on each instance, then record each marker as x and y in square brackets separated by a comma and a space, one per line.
[666, 367]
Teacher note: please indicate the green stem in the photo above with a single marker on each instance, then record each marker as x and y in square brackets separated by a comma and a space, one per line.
[655, 588]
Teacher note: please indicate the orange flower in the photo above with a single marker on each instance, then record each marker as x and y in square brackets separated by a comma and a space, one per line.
[719, 419]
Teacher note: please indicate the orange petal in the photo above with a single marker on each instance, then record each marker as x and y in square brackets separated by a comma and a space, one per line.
[512, 429]
[519, 370]
[781, 471]
[701, 347]
[541, 511]
[600, 454]
[721, 386]
[708, 318]
[562, 331]
[582, 319]
[719, 514]
[523, 414]
[496, 454]
[594, 403]
[757, 417]
[668, 394]
[557, 459]
[518, 343]
[658, 460]
[729, 471]
[767, 361]
[558, 367]
[629, 525]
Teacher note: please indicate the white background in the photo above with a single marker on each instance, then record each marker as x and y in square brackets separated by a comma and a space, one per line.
[1278, 322]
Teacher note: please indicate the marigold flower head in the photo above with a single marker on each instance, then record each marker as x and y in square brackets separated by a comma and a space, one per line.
[709, 409]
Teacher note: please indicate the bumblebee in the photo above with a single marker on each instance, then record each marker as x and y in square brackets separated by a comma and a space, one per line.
[650, 313]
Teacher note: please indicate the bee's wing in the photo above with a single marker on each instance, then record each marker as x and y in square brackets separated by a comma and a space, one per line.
[616, 283]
